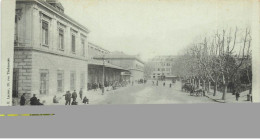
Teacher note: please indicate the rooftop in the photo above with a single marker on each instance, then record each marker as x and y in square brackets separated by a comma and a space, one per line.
[118, 55]
[52, 6]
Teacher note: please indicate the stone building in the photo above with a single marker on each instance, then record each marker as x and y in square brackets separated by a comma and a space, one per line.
[162, 67]
[111, 71]
[132, 63]
[50, 50]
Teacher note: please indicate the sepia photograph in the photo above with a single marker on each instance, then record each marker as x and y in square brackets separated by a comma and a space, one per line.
[91, 52]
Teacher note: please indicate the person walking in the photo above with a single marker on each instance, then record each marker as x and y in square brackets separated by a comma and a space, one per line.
[80, 93]
[170, 85]
[74, 96]
[67, 98]
[22, 101]
[237, 96]
[163, 83]
[34, 100]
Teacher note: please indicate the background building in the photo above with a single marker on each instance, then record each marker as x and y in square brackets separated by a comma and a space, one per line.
[50, 50]
[162, 67]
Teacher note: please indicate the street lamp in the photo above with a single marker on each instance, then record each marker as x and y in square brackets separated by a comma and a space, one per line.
[103, 77]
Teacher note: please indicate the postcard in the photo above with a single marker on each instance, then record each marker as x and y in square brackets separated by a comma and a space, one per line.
[72, 52]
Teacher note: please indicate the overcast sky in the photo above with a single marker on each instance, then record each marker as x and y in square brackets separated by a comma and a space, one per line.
[154, 27]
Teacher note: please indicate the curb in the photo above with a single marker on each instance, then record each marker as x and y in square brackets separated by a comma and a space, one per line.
[214, 99]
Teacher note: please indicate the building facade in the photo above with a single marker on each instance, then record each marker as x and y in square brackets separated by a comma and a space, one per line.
[162, 67]
[50, 50]
[133, 64]
[96, 67]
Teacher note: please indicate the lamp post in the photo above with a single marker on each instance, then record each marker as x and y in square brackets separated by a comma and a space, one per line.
[103, 77]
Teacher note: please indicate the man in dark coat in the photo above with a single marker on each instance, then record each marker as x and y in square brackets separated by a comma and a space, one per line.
[34, 100]
[85, 100]
[22, 101]
[67, 97]
[80, 93]
[74, 95]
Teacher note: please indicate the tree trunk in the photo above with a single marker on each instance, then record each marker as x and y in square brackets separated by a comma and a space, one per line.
[215, 88]
[203, 85]
[224, 92]
[209, 87]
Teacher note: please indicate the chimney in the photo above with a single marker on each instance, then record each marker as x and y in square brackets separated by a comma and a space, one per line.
[56, 4]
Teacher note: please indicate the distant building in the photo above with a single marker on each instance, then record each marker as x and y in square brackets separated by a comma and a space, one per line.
[50, 50]
[162, 67]
[130, 62]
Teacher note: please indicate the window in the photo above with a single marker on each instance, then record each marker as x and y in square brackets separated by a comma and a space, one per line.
[45, 33]
[44, 75]
[82, 80]
[73, 43]
[60, 81]
[83, 47]
[72, 80]
[61, 39]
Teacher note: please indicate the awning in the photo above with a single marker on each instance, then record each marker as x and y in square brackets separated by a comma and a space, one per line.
[100, 63]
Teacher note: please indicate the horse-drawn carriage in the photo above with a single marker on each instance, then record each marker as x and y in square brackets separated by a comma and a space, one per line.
[197, 92]
[188, 87]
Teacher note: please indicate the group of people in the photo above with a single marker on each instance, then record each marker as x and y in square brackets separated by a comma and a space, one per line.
[74, 96]
[68, 96]
[164, 83]
[33, 101]
[113, 84]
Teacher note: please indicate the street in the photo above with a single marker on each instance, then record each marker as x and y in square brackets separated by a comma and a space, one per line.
[138, 94]
[152, 94]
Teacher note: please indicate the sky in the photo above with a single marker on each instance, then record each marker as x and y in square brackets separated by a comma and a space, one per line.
[155, 27]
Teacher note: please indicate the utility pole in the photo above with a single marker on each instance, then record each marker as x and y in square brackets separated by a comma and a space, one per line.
[103, 79]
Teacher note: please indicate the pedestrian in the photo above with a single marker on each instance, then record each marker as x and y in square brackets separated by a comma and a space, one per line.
[80, 93]
[170, 85]
[39, 102]
[157, 83]
[22, 101]
[163, 83]
[132, 83]
[85, 100]
[55, 99]
[34, 100]
[67, 98]
[74, 103]
[74, 95]
[237, 96]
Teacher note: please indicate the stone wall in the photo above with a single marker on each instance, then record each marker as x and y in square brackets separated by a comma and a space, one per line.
[23, 65]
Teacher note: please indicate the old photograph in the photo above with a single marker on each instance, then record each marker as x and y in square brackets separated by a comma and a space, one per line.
[90, 52]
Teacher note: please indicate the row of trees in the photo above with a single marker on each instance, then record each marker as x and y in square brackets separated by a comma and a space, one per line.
[222, 59]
